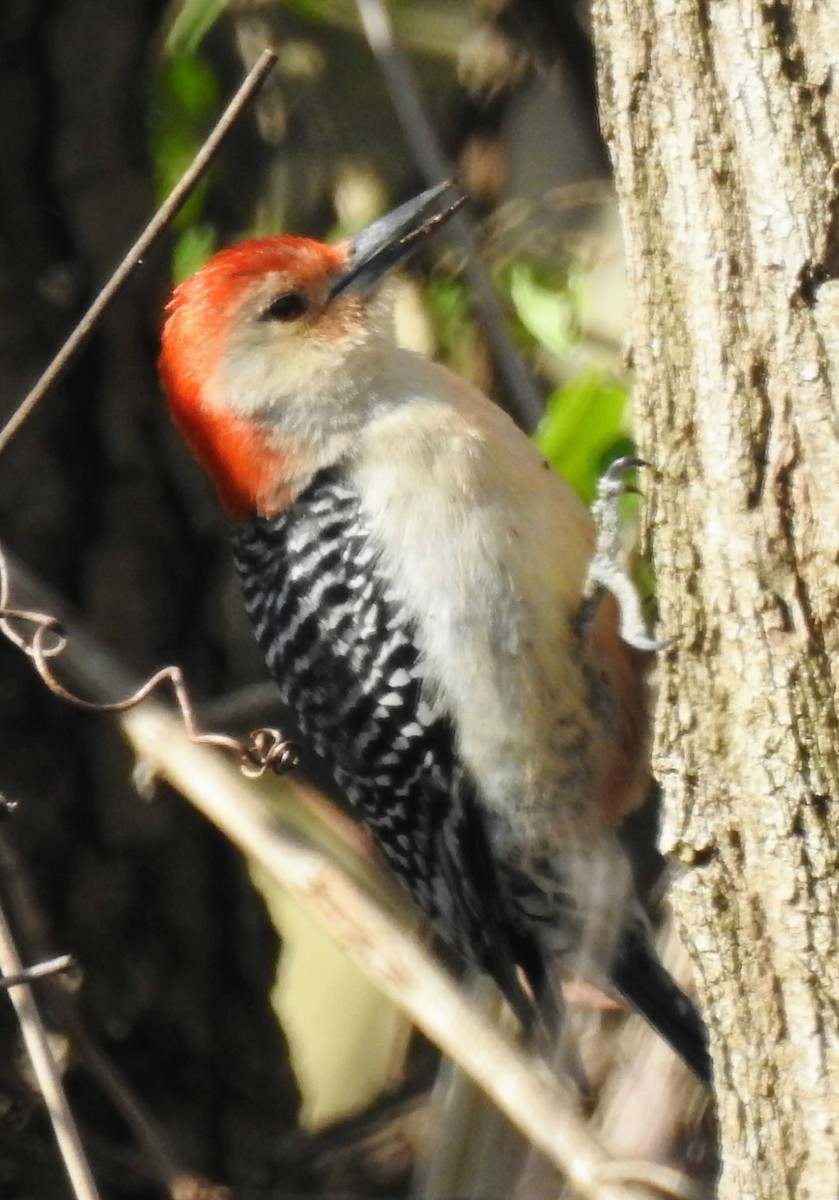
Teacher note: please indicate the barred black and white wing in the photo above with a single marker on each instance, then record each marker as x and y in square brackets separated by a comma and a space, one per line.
[345, 659]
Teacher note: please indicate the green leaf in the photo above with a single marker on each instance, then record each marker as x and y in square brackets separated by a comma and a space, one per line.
[546, 304]
[192, 249]
[308, 9]
[583, 430]
[448, 303]
[190, 86]
[193, 20]
[186, 97]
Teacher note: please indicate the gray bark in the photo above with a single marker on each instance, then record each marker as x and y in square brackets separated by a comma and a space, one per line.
[723, 122]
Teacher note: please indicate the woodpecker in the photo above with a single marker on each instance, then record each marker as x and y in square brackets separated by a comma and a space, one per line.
[415, 574]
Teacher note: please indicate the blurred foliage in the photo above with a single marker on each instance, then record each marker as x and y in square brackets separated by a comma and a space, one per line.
[428, 25]
[185, 102]
[192, 21]
[183, 107]
[546, 304]
[582, 430]
[585, 423]
[455, 335]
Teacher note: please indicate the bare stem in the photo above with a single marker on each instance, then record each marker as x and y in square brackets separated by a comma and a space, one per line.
[42, 970]
[46, 1071]
[31, 923]
[159, 222]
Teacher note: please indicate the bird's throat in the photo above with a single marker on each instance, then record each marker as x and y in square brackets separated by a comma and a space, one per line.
[250, 467]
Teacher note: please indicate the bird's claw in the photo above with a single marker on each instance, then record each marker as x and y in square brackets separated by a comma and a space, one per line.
[606, 572]
[614, 473]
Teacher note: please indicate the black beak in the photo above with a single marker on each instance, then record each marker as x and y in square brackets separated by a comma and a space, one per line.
[393, 237]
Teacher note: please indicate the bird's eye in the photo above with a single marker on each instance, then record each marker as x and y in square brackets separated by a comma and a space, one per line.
[287, 307]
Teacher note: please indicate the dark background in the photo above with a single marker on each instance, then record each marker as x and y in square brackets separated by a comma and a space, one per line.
[98, 499]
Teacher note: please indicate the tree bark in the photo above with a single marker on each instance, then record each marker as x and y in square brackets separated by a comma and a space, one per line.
[723, 122]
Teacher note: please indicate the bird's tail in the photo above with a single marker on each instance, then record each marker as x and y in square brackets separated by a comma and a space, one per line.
[639, 977]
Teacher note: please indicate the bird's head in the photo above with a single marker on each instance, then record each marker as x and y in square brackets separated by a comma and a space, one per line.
[270, 350]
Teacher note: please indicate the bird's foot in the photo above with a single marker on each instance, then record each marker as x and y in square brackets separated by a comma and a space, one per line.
[606, 572]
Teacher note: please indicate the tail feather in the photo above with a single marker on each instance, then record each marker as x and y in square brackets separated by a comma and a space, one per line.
[643, 982]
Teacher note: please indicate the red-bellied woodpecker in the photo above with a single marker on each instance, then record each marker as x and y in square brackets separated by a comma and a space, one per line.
[415, 572]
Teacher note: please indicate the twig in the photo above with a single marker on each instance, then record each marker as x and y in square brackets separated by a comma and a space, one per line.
[394, 960]
[524, 400]
[43, 970]
[164, 215]
[31, 925]
[46, 1071]
[520, 1085]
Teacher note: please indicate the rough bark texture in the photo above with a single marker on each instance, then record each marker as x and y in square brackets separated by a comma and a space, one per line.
[723, 121]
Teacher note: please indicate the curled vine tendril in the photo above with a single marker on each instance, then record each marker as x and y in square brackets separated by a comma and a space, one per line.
[45, 639]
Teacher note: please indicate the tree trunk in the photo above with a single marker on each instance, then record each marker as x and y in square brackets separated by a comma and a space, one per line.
[723, 121]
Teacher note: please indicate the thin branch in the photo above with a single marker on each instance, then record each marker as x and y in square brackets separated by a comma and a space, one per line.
[524, 400]
[393, 959]
[159, 222]
[42, 970]
[46, 1071]
[519, 1084]
[31, 924]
